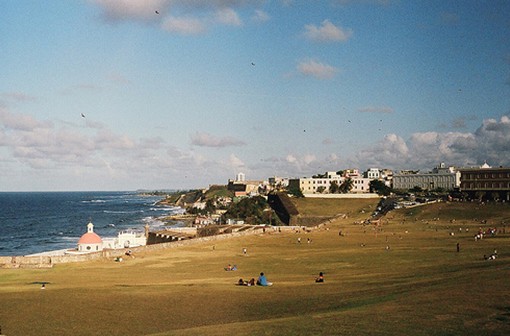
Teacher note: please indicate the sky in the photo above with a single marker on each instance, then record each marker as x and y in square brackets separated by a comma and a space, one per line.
[178, 94]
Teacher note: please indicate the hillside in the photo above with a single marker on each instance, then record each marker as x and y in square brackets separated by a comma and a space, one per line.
[404, 277]
[184, 198]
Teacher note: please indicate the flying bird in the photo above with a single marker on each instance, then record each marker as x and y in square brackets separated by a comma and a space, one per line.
[156, 12]
[252, 63]
[83, 115]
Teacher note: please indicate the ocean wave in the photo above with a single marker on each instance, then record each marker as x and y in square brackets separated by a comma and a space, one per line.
[153, 221]
[165, 209]
[69, 238]
[122, 212]
[94, 201]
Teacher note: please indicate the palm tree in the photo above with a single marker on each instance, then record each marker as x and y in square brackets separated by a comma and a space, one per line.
[346, 186]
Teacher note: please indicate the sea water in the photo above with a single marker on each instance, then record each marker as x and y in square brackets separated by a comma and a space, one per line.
[34, 222]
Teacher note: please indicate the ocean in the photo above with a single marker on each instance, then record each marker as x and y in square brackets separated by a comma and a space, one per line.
[34, 222]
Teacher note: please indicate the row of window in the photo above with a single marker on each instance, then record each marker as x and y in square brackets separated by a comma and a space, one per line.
[475, 176]
[486, 185]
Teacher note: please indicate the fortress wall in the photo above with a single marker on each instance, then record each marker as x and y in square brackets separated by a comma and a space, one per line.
[47, 261]
[367, 195]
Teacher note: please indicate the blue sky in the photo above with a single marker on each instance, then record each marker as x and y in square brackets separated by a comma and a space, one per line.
[201, 90]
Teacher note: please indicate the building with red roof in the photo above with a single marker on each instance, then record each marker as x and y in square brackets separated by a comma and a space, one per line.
[90, 241]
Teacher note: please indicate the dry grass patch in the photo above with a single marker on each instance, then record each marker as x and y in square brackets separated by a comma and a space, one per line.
[419, 286]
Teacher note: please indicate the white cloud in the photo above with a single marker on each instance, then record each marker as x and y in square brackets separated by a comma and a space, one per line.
[309, 158]
[18, 97]
[184, 26]
[260, 16]
[204, 139]
[235, 162]
[15, 121]
[426, 149]
[327, 32]
[228, 16]
[117, 10]
[316, 69]
[186, 17]
[291, 158]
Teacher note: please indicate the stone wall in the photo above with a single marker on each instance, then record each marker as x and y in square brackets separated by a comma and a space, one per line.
[49, 261]
[367, 195]
[284, 208]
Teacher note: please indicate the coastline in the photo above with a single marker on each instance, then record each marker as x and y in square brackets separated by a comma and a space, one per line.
[44, 222]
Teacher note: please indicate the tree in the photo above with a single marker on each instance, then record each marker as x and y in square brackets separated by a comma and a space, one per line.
[295, 191]
[378, 186]
[251, 209]
[333, 187]
[416, 189]
[346, 186]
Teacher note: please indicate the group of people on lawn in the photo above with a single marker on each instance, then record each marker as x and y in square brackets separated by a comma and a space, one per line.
[262, 280]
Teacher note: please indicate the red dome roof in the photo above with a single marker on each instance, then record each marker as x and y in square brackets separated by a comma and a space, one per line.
[90, 238]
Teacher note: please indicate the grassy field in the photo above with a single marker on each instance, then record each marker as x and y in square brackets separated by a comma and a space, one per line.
[404, 277]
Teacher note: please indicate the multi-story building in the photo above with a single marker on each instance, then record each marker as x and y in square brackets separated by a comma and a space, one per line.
[242, 187]
[373, 174]
[361, 185]
[486, 181]
[278, 182]
[441, 177]
[321, 184]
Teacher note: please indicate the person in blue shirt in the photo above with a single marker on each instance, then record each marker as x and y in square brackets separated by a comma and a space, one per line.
[262, 280]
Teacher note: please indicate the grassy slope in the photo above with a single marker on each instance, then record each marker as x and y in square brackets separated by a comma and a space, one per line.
[420, 286]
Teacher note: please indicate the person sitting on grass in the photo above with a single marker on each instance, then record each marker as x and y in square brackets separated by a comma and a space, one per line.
[241, 282]
[230, 268]
[262, 280]
[320, 278]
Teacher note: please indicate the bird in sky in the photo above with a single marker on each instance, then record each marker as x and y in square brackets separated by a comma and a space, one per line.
[83, 115]
[156, 12]
[252, 63]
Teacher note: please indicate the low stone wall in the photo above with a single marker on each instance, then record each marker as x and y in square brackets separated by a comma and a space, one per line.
[25, 262]
[367, 195]
[49, 261]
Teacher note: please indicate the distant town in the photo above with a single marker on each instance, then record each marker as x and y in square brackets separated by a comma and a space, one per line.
[244, 205]
[483, 182]
[219, 203]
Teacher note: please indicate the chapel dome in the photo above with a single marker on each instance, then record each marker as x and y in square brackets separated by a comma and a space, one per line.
[90, 238]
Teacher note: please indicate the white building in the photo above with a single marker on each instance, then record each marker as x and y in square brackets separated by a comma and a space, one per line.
[126, 239]
[360, 185]
[90, 241]
[441, 176]
[373, 174]
[317, 185]
[278, 182]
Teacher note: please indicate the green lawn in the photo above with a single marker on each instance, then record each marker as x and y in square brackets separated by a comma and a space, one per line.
[402, 278]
